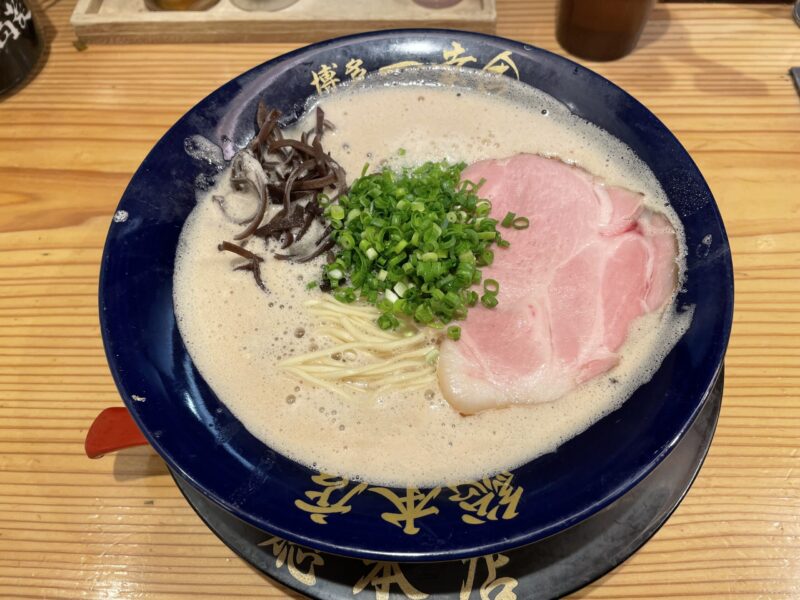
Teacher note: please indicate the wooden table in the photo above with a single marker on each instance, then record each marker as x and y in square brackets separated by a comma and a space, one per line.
[118, 528]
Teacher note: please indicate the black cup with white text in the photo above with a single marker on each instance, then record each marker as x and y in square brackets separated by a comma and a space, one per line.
[21, 43]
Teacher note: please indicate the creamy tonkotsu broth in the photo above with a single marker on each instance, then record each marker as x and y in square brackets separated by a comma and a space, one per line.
[236, 334]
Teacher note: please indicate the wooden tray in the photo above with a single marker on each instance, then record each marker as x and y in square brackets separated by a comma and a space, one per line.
[130, 21]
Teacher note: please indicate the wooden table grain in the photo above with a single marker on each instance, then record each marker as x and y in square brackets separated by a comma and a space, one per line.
[118, 528]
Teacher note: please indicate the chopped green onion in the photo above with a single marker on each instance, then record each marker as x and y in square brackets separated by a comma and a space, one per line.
[483, 208]
[486, 258]
[489, 300]
[453, 299]
[454, 332]
[424, 314]
[311, 285]
[521, 223]
[431, 356]
[411, 243]
[346, 240]
[508, 220]
[467, 257]
[336, 212]
[384, 305]
[345, 295]
[386, 321]
[400, 246]
[491, 286]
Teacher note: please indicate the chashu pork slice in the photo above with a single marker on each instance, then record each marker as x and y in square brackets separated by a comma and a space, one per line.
[592, 260]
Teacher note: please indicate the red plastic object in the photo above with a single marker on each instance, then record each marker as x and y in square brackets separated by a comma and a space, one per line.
[113, 429]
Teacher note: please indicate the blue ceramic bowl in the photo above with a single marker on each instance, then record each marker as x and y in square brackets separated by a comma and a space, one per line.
[205, 444]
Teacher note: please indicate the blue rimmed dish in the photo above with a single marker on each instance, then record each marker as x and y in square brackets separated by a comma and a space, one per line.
[201, 440]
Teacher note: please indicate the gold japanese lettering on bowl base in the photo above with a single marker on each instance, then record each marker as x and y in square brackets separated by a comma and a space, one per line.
[386, 579]
[294, 557]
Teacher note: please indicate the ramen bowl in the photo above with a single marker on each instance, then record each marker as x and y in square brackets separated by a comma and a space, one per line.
[205, 444]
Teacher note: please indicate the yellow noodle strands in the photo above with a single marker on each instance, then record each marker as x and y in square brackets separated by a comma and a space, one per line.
[363, 359]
